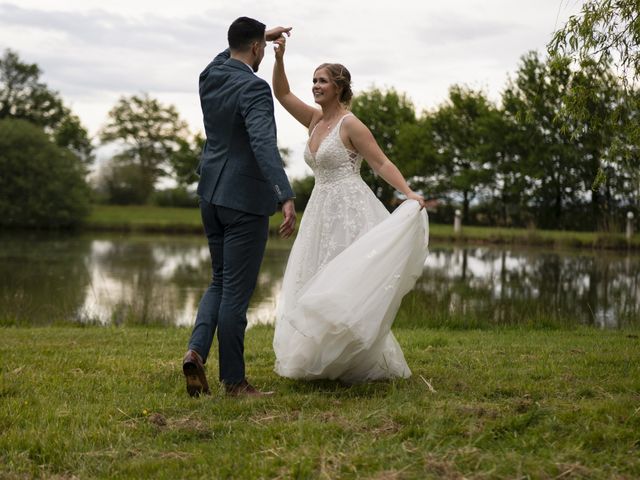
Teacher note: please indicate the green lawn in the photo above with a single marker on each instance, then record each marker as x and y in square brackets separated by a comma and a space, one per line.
[507, 403]
[187, 220]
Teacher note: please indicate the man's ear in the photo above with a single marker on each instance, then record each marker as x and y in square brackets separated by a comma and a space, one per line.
[255, 46]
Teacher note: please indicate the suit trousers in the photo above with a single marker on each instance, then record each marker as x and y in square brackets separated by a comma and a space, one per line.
[236, 243]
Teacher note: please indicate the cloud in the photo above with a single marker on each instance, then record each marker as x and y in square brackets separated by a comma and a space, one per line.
[99, 51]
[104, 29]
[93, 51]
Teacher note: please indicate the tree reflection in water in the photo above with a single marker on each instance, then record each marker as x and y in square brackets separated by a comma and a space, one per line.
[506, 286]
[158, 280]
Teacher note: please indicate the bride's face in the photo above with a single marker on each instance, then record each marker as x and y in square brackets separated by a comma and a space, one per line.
[324, 90]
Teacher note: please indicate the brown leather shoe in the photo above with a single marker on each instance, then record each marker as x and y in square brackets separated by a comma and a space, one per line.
[193, 369]
[244, 389]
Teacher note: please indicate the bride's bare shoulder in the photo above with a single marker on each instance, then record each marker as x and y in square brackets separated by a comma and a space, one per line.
[353, 123]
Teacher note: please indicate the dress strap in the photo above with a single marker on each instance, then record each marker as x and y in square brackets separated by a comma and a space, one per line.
[343, 117]
[339, 124]
[313, 130]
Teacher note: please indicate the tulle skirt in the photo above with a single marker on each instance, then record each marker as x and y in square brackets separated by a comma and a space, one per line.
[347, 273]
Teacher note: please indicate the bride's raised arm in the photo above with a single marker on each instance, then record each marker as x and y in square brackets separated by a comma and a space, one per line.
[364, 142]
[297, 108]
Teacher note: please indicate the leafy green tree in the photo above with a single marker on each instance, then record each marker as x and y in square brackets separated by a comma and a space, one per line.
[505, 203]
[152, 136]
[71, 134]
[42, 185]
[416, 152]
[598, 139]
[462, 132]
[385, 113]
[546, 151]
[605, 33]
[560, 150]
[184, 160]
[24, 96]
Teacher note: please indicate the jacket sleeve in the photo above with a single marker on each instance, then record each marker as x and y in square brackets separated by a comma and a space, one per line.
[256, 106]
[218, 60]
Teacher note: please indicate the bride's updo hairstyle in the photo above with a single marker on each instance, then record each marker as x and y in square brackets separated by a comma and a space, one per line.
[341, 78]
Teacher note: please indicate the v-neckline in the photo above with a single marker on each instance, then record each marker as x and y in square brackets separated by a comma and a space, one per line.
[313, 154]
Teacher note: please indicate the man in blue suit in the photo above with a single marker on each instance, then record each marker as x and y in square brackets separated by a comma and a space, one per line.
[242, 181]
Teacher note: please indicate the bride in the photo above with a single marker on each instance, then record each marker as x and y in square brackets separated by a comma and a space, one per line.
[352, 262]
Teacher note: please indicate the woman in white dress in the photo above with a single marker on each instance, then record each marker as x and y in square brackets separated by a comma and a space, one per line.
[351, 262]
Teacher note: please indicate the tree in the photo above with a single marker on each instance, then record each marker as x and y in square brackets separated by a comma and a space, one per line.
[546, 150]
[184, 160]
[71, 134]
[24, 96]
[463, 139]
[42, 185]
[152, 135]
[560, 150]
[385, 113]
[606, 32]
[122, 183]
[416, 152]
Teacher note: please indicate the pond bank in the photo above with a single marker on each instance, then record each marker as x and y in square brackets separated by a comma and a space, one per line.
[187, 221]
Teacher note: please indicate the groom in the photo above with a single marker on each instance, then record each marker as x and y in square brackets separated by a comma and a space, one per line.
[242, 180]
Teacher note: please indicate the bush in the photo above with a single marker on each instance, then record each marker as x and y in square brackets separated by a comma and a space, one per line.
[41, 185]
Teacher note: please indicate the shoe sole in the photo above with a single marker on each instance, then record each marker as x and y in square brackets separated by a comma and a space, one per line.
[195, 384]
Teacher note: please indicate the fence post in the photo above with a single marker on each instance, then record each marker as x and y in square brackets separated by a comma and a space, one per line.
[457, 222]
[629, 225]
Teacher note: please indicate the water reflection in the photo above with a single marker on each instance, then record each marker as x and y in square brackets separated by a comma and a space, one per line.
[159, 280]
[162, 282]
[507, 284]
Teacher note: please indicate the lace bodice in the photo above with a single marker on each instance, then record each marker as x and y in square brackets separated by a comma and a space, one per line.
[333, 161]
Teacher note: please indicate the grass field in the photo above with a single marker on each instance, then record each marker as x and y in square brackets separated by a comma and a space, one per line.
[187, 220]
[98, 402]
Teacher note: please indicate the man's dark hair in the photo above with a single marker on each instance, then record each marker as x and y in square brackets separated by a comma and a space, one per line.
[243, 32]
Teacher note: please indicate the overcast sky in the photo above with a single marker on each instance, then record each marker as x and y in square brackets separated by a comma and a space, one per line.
[93, 52]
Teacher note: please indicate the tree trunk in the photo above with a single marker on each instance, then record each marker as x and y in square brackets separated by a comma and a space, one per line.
[558, 209]
[465, 206]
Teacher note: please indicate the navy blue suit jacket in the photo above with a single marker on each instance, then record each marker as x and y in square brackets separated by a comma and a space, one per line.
[240, 166]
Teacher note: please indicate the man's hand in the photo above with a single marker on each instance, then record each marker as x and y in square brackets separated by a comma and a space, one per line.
[289, 224]
[276, 32]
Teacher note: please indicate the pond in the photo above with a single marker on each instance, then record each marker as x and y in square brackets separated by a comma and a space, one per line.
[158, 280]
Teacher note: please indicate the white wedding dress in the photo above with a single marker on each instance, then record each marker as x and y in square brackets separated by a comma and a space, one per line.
[350, 266]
